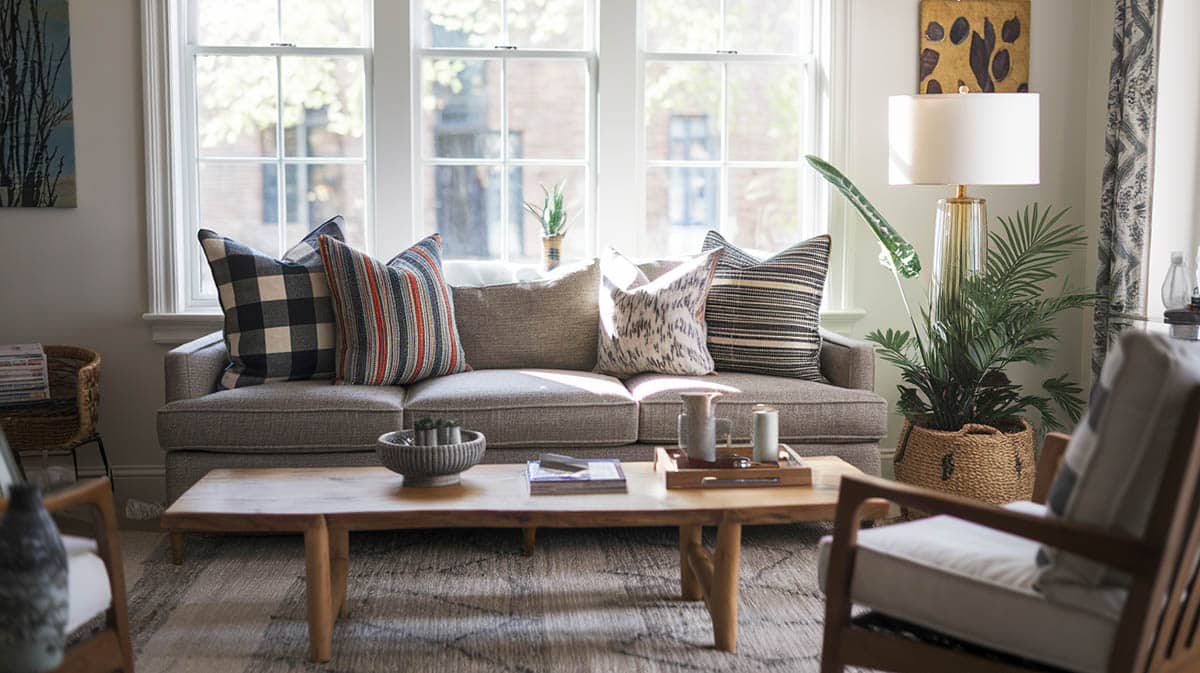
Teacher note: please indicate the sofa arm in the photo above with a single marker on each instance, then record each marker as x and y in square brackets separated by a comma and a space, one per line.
[192, 370]
[846, 362]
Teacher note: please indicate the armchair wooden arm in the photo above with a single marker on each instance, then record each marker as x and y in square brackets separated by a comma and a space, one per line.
[109, 650]
[1053, 449]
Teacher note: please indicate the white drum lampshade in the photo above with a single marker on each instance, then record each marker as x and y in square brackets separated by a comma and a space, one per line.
[964, 139]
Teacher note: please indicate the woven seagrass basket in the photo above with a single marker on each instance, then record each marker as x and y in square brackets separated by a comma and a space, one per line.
[977, 461]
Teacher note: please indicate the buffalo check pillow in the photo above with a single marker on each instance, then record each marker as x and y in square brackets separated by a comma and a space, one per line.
[279, 322]
[396, 320]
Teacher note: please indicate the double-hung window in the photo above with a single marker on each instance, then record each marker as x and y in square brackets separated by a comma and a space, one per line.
[505, 110]
[660, 119]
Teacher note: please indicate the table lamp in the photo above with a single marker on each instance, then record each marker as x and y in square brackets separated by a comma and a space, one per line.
[961, 139]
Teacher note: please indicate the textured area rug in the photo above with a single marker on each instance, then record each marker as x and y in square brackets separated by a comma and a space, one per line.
[467, 600]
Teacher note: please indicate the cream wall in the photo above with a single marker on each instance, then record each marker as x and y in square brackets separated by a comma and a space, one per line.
[79, 276]
[884, 45]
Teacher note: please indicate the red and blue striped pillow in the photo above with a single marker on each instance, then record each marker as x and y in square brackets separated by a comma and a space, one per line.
[395, 321]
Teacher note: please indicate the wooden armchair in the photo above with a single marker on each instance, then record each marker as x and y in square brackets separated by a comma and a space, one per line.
[1157, 626]
[109, 649]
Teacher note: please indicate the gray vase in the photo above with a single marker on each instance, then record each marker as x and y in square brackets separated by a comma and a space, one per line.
[33, 585]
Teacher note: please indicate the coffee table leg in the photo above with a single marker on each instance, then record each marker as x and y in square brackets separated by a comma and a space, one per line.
[688, 581]
[320, 601]
[339, 561]
[177, 547]
[713, 576]
[528, 539]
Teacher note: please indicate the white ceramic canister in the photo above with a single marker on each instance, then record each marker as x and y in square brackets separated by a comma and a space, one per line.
[764, 434]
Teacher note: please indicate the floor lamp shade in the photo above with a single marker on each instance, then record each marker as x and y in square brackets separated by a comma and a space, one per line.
[962, 139]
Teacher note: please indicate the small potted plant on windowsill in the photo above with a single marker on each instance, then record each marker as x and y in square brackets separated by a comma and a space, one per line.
[552, 215]
[966, 429]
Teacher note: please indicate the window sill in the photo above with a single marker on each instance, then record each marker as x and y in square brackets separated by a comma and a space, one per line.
[172, 329]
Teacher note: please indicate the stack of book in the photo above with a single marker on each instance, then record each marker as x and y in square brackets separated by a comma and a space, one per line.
[559, 475]
[23, 374]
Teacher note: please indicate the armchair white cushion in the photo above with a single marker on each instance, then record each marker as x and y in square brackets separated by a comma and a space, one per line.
[975, 584]
[87, 582]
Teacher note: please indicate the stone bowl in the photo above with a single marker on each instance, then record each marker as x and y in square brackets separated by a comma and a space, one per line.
[424, 466]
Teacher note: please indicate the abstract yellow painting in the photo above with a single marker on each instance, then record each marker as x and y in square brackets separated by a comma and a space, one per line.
[982, 44]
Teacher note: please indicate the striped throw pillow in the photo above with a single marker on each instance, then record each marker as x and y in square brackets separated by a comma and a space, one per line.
[278, 320]
[764, 315]
[395, 321]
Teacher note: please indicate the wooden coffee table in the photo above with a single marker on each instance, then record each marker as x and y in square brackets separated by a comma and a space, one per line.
[325, 504]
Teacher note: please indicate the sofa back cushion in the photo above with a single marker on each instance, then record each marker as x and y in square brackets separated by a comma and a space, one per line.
[550, 323]
[1115, 460]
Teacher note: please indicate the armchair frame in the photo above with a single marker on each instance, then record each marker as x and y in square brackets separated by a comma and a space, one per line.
[110, 649]
[1158, 626]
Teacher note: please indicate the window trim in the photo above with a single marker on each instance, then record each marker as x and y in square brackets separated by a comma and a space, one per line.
[617, 74]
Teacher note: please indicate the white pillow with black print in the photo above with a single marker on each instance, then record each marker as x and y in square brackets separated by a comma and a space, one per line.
[654, 327]
[1115, 461]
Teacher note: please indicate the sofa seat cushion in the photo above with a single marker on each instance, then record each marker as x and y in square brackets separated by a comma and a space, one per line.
[88, 591]
[809, 412]
[298, 416]
[531, 407]
[975, 584]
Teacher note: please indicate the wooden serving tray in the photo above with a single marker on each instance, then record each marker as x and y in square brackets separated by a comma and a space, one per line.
[791, 470]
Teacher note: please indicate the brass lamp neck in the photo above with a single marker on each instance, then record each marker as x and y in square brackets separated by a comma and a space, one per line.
[960, 192]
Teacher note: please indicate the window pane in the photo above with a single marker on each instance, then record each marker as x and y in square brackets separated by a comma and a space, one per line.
[547, 24]
[461, 103]
[317, 192]
[323, 23]
[323, 106]
[763, 208]
[236, 22]
[240, 200]
[455, 23]
[682, 25]
[768, 26]
[463, 203]
[542, 126]
[525, 184]
[236, 105]
[683, 111]
[681, 205]
[765, 105]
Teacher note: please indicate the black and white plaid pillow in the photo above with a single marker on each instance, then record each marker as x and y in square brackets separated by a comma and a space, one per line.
[279, 323]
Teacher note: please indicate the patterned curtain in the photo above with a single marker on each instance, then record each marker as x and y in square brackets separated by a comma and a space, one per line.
[1128, 170]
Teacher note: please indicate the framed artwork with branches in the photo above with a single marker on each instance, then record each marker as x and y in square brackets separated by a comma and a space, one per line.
[37, 134]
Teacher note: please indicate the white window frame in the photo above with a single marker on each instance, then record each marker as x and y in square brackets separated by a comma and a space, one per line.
[505, 52]
[616, 208]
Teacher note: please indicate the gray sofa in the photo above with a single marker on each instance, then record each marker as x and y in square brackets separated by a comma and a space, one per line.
[522, 411]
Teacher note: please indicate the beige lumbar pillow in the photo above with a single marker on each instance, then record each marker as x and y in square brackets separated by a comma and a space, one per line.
[654, 326]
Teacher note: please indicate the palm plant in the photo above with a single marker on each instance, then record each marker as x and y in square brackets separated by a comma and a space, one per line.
[953, 368]
[552, 214]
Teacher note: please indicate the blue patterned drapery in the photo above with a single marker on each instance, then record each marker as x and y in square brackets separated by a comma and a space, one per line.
[1127, 184]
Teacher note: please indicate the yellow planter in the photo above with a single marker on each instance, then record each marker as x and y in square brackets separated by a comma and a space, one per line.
[551, 251]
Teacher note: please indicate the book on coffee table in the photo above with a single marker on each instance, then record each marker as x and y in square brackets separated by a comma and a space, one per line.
[601, 476]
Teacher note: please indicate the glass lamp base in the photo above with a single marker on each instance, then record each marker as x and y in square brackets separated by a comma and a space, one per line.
[960, 250]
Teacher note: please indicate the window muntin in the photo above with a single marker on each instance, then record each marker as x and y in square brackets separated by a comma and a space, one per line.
[506, 106]
[751, 81]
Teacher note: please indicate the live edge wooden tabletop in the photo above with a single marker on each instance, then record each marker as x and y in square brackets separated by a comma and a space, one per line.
[496, 495]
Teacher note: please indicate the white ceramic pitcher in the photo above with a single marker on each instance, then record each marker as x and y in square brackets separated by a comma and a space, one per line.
[699, 425]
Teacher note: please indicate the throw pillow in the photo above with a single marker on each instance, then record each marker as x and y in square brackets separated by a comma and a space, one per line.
[764, 315]
[278, 320]
[548, 323]
[395, 321]
[654, 326]
[1116, 459]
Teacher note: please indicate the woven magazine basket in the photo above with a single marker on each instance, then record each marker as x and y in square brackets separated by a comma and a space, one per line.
[977, 461]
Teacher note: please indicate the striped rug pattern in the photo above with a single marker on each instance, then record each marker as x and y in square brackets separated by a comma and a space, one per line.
[395, 321]
[764, 315]
[467, 601]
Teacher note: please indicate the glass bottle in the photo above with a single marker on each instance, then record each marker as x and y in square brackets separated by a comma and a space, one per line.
[1176, 290]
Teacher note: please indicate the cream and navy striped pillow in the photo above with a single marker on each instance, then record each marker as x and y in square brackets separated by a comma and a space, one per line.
[764, 315]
